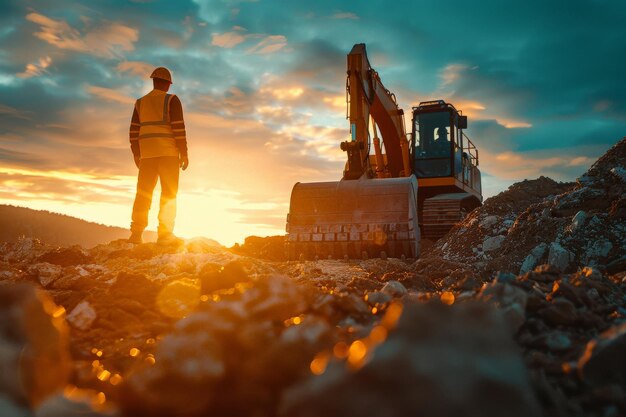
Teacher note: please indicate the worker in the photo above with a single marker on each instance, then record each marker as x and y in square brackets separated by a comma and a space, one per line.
[159, 145]
[442, 135]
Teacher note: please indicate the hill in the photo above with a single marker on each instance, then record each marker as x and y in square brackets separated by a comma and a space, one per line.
[56, 229]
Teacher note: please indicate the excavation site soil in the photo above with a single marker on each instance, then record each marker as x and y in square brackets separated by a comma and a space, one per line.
[520, 310]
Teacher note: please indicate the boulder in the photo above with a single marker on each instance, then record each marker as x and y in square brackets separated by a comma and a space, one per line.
[604, 359]
[459, 359]
[533, 258]
[559, 257]
[82, 316]
[34, 356]
[511, 300]
[492, 243]
[394, 289]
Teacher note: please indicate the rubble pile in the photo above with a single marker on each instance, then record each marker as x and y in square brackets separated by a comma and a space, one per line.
[519, 310]
[541, 221]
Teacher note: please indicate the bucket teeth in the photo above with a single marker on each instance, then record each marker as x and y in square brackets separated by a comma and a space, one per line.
[355, 219]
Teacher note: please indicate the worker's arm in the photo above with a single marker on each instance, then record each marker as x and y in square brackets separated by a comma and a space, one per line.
[133, 136]
[178, 128]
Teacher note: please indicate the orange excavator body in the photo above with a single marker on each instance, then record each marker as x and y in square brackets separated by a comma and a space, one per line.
[382, 202]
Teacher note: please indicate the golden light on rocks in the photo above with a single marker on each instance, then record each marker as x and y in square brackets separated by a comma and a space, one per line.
[357, 353]
[99, 399]
[115, 379]
[391, 317]
[378, 335]
[58, 312]
[179, 298]
[341, 350]
[447, 298]
[319, 363]
[104, 375]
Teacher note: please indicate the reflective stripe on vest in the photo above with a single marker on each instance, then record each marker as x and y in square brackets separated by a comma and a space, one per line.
[153, 110]
[156, 137]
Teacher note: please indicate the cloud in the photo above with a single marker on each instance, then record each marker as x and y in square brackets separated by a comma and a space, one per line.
[10, 111]
[36, 69]
[227, 39]
[110, 94]
[345, 15]
[269, 45]
[107, 40]
[139, 68]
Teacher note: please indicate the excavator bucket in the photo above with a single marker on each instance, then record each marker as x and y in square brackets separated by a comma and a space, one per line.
[354, 218]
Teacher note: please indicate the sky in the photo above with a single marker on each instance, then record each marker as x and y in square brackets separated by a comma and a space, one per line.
[263, 90]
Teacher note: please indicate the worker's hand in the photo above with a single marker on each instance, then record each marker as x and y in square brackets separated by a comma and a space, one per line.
[184, 162]
[137, 162]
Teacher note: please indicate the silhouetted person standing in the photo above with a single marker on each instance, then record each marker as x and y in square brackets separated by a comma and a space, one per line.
[159, 144]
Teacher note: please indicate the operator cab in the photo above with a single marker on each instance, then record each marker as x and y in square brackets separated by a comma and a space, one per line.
[439, 146]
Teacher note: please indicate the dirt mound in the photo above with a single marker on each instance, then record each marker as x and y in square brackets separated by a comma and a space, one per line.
[541, 221]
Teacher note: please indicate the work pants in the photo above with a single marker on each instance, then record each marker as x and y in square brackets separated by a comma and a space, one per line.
[165, 169]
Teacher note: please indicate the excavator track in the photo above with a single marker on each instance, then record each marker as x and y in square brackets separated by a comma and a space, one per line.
[443, 211]
[354, 218]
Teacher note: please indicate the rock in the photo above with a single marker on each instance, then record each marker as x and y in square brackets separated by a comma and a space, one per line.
[179, 298]
[430, 369]
[216, 277]
[559, 257]
[560, 312]
[598, 251]
[74, 255]
[275, 297]
[82, 316]
[578, 221]
[619, 173]
[492, 243]
[510, 299]
[505, 277]
[46, 273]
[33, 344]
[312, 330]
[378, 297]
[604, 361]
[533, 258]
[557, 341]
[488, 222]
[617, 265]
[394, 289]
[76, 403]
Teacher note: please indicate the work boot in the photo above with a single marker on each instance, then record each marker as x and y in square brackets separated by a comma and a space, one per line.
[169, 239]
[135, 237]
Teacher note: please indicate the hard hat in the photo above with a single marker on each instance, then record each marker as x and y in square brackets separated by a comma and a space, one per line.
[162, 73]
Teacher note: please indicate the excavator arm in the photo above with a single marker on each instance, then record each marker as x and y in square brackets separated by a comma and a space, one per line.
[368, 97]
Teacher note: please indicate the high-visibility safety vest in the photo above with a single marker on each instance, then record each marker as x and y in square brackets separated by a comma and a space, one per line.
[156, 137]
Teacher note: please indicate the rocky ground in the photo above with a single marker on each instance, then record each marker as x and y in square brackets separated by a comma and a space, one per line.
[520, 310]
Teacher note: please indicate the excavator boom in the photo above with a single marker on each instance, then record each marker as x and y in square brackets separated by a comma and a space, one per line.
[360, 216]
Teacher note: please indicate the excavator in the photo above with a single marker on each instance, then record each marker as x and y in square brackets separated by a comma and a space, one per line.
[419, 187]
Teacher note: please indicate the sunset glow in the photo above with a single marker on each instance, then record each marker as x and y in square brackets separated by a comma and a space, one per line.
[264, 102]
